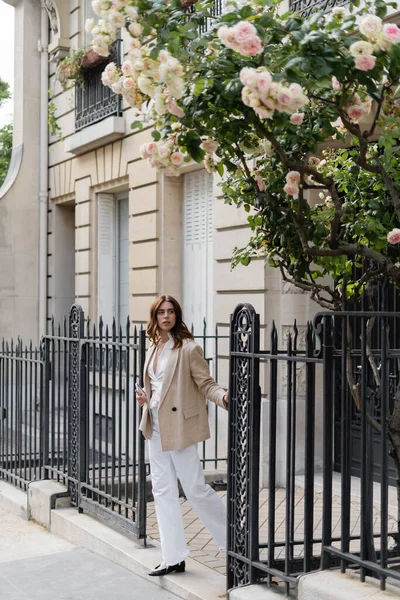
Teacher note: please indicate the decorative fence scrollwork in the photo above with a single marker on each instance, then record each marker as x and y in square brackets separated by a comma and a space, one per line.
[76, 332]
[243, 445]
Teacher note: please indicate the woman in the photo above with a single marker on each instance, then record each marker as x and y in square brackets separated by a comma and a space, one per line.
[176, 381]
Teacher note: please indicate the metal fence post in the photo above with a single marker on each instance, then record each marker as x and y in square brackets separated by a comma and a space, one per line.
[44, 433]
[328, 440]
[243, 447]
[76, 407]
[141, 449]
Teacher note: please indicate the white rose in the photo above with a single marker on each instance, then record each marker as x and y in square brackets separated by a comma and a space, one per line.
[116, 87]
[89, 25]
[135, 29]
[101, 50]
[175, 88]
[116, 19]
[146, 86]
[126, 68]
[128, 83]
[96, 6]
[138, 65]
[131, 12]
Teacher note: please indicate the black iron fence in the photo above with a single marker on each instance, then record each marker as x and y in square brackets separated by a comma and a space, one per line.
[68, 413]
[288, 530]
[21, 376]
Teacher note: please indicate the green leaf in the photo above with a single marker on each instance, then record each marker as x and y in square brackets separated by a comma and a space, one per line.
[156, 135]
[199, 86]
[137, 125]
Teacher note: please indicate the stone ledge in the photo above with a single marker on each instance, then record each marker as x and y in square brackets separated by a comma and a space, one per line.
[13, 500]
[259, 592]
[96, 135]
[42, 498]
[331, 585]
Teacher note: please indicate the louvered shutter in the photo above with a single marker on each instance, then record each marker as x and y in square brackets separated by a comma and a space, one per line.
[123, 260]
[106, 257]
[198, 249]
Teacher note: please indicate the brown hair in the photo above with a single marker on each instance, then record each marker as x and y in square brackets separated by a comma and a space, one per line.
[180, 331]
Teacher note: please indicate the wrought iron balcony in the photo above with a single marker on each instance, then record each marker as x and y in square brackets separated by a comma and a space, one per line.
[306, 7]
[93, 100]
[216, 11]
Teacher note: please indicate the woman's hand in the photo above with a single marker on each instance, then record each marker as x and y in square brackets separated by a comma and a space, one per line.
[141, 399]
[225, 398]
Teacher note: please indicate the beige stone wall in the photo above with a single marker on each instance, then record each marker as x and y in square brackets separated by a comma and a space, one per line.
[155, 226]
[19, 206]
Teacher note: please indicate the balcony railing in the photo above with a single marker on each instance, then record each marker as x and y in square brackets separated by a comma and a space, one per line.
[306, 7]
[93, 100]
[216, 11]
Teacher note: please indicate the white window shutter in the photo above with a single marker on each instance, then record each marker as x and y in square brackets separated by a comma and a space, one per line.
[198, 249]
[123, 261]
[106, 257]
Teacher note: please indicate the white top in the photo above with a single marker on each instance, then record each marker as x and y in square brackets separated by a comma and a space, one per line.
[156, 377]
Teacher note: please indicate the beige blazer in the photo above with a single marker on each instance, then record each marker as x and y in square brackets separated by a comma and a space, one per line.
[182, 411]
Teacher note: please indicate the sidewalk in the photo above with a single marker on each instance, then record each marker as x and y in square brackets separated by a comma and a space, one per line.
[204, 578]
[37, 565]
[205, 551]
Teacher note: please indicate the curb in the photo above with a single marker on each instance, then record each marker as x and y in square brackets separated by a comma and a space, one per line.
[197, 583]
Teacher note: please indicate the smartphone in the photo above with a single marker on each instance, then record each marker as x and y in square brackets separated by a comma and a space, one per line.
[139, 390]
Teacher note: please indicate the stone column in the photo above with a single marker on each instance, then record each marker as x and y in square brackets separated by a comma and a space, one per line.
[19, 204]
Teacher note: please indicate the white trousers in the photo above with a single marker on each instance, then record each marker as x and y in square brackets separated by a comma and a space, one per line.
[166, 467]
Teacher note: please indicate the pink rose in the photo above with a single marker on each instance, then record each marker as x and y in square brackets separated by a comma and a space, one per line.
[126, 68]
[365, 63]
[128, 83]
[336, 85]
[293, 177]
[175, 110]
[244, 32]
[297, 118]
[264, 81]
[209, 146]
[176, 159]
[164, 152]
[251, 48]
[248, 77]
[391, 33]
[151, 148]
[355, 112]
[260, 182]
[284, 97]
[313, 161]
[393, 237]
[292, 189]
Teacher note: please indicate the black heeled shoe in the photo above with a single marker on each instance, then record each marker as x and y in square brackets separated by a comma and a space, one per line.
[164, 569]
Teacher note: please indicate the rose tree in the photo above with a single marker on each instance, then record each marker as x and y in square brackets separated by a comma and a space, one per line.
[300, 118]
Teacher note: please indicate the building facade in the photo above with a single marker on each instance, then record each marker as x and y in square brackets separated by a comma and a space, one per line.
[84, 219]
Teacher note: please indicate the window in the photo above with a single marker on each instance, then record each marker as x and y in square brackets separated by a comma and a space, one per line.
[113, 258]
[88, 14]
